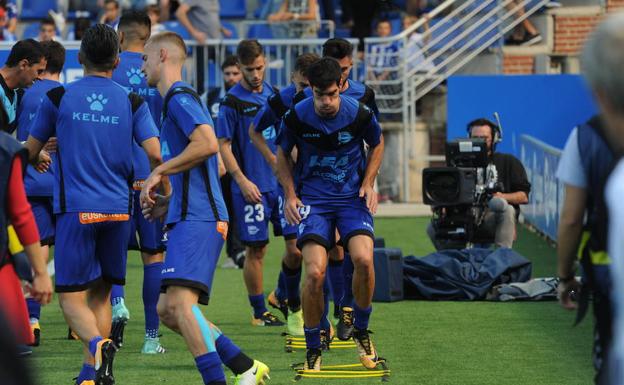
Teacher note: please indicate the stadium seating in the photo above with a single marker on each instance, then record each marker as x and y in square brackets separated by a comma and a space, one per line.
[177, 27]
[435, 33]
[260, 31]
[231, 27]
[31, 31]
[36, 9]
[232, 9]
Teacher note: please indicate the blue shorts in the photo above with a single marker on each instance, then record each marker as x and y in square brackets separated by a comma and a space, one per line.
[193, 249]
[44, 216]
[252, 219]
[320, 222]
[90, 247]
[150, 234]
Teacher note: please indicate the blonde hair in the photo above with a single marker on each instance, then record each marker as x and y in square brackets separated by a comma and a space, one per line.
[170, 38]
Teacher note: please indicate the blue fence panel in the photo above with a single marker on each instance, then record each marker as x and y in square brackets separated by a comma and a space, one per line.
[540, 161]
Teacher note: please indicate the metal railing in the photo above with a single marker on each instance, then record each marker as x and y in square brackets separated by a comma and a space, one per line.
[289, 29]
[405, 67]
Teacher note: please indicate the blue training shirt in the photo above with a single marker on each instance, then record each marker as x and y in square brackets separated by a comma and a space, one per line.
[331, 158]
[129, 75]
[357, 90]
[36, 184]
[236, 113]
[95, 121]
[274, 109]
[196, 192]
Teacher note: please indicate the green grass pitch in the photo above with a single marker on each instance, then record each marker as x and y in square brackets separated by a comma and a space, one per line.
[424, 342]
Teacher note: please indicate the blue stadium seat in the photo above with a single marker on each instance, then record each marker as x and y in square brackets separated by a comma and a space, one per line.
[447, 39]
[175, 26]
[483, 26]
[31, 31]
[344, 33]
[231, 27]
[260, 31]
[233, 9]
[397, 26]
[36, 9]
[259, 8]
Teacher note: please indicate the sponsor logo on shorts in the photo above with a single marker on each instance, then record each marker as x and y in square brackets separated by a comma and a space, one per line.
[168, 270]
[252, 230]
[366, 224]
[138, 185]
[301, 228]
[222, 228]
[87, 218]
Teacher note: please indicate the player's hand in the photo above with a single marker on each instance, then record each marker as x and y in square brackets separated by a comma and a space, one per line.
[199, 36]
[44, 162]
[568, 293]
[148, 192]
[50, 145]
[250, 192]
[291, 211]
[371, 198]
[158, 209]
[41, 288]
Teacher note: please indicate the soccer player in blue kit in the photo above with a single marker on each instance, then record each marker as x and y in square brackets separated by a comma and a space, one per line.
[331, 187]
[134, 31]
[95, 121]
[287, 296]
[39, 186]
[340, 269]
[255, 195]
[195, 215]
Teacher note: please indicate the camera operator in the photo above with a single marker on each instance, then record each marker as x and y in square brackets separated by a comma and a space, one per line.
[513, 188]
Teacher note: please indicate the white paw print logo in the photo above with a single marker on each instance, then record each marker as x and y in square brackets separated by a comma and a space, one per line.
[97, 102]
[134, 76]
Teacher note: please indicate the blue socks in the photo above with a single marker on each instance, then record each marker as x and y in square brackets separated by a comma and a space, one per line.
[209, 365]
[226, 349]
[336, 280]
[347, 271]
[34, 308]
[86, 373]
[117, 292]
[93, 344]
[292, 279]
[313, 337]
[281, 291]
[151, 292]
[257, 302]
[361, 317]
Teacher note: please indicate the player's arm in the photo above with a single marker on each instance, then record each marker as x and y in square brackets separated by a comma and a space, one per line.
[312, 11]
[568, 239]
[225, 125]
[263, 120]
[375, 140]
[42, 128]
[285, 166]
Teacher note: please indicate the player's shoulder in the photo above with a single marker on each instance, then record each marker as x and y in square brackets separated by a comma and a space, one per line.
[182, 95]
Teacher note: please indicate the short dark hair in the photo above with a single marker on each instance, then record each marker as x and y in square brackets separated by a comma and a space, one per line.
[384, 20]
[230, 60]
[55, 56]
[304, 61]
[99, 48]
[47, 21]
[337, 48]
[80, 27]
[324, 72]
[112, 1]
[482, 122]
[248, 50]
[28, 49]
[136, 25]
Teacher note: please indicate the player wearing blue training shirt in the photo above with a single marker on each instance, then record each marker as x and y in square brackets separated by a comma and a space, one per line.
[39, 186]
[95, 121]
[255, 195]
[287, 295]
[195, 215]
[332, 189]
[134, 30]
